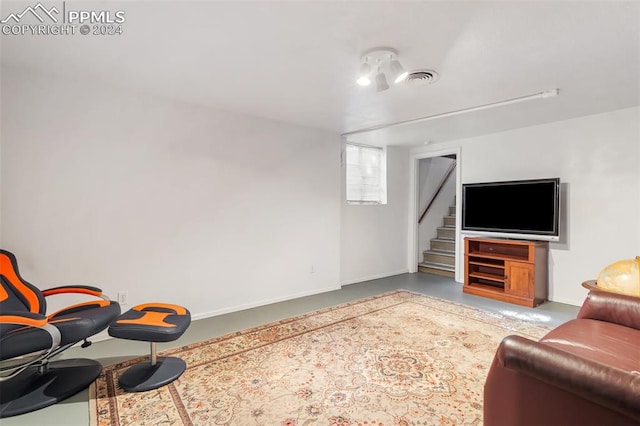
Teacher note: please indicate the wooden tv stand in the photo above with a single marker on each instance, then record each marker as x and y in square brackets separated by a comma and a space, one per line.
[508, 270]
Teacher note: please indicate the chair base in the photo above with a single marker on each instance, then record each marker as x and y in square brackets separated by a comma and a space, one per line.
[146, 376]
[30, 390]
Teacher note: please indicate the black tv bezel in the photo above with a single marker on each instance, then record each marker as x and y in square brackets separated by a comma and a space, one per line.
[553, 235]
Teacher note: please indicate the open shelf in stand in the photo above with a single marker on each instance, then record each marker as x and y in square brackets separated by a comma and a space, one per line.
[490, 263]
[488, 287]
[485, 276]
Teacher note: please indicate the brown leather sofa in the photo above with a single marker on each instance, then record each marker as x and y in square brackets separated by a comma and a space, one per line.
[584, 372]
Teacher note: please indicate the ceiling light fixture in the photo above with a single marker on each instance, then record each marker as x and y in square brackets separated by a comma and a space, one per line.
[387, 61]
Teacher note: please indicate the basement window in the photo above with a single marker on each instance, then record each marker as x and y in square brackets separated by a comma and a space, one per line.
[366, 174]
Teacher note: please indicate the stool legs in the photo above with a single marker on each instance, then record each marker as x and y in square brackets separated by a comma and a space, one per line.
[152, 374]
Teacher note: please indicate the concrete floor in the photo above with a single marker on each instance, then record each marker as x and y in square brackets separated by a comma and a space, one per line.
[75, 411]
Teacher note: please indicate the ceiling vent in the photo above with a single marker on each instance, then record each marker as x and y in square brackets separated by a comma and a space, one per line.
[421, 77]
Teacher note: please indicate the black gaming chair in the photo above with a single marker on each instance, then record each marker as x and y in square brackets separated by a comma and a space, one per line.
[29, 338]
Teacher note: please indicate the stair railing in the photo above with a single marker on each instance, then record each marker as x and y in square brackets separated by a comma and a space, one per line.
[450, 170]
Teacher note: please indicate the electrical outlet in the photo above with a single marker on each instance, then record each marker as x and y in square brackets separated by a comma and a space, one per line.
[123, 298]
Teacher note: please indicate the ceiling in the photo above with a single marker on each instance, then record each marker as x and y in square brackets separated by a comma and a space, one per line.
[297, 61]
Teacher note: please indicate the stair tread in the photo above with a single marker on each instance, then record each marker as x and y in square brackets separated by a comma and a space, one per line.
[427, 263]
[442, 240]
[449, 253]
[446, 227]
[436, 265]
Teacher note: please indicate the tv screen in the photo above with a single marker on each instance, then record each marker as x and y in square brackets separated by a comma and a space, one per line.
[521, 209]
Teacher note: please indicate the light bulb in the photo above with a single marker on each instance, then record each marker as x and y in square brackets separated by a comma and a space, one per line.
[365, 71]
[364, 81]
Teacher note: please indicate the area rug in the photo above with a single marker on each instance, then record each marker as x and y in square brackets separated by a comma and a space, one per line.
[395, 359]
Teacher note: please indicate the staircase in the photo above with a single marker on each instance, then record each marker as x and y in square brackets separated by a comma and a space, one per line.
[440, 259]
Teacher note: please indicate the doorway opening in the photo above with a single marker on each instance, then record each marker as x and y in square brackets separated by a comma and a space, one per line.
[434, 219]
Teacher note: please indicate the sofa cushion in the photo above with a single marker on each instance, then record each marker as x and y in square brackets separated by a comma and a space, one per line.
[611, 344]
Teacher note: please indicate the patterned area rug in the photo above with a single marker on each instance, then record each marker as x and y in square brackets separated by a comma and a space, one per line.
[395, 359]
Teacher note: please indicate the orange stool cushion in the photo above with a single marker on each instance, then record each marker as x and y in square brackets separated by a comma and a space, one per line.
[152, 322]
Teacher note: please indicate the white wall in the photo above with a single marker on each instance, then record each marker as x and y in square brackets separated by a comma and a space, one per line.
[596, 158]
[1, 110]
[374, 238]
[171, 202]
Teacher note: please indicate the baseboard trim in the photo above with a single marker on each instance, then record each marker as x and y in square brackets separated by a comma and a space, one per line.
[262, 303]
[374, 277]
[566, 301]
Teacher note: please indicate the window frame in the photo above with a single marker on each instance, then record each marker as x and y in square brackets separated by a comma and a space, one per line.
[362, 174]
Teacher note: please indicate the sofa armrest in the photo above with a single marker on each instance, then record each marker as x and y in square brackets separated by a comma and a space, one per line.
[610, 387]
[612, 307]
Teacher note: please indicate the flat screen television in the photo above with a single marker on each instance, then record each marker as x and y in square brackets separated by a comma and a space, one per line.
[522, 209]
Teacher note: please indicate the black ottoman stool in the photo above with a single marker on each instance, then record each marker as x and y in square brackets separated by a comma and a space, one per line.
[152, 322]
